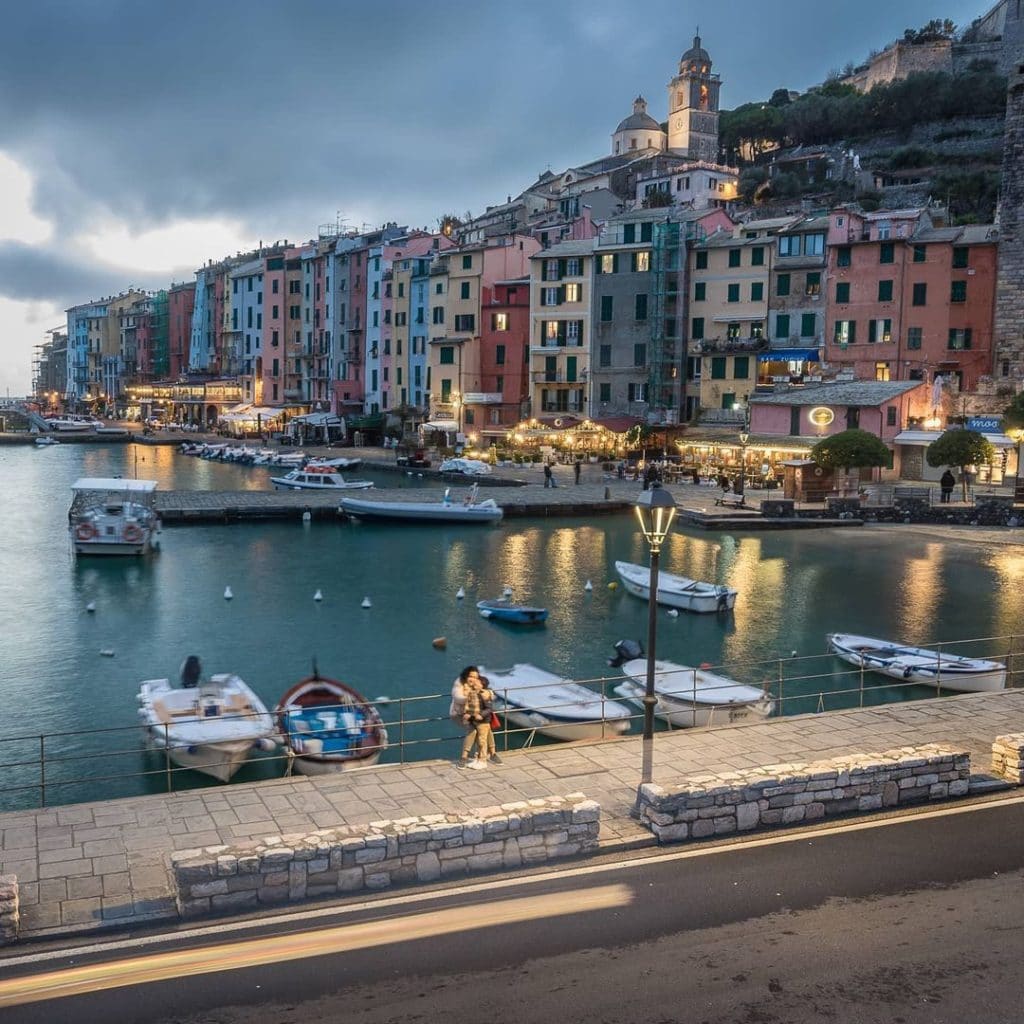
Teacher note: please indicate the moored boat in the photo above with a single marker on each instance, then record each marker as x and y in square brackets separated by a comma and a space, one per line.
[339, 463]
[112, 516]
[676, 591]
[45, 441]
[468, 467]
[535, 699]
[211, 728]
[318, 478]
[502, 609]
[328, 726]
[930, 667]
[446, 511]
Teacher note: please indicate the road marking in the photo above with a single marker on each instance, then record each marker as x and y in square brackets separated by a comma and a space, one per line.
[300, 945]
[492, 885]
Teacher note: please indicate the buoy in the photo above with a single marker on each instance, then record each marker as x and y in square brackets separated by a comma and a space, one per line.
[460, 593]
[507, 591]
[107, 652]
[91, 606]
[307, 516]
[674, 612]
[439, 643]
[792, 654]
[613, 585]
[227, 594]
[588, 585]
[318, 596]
[367, 603]
[382, 700]
[705, 664]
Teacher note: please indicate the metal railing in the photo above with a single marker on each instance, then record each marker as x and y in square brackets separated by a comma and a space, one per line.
[41, 770]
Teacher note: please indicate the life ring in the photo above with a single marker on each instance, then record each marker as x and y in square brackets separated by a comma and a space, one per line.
[818, 471]
[132, 534]
[85, 531]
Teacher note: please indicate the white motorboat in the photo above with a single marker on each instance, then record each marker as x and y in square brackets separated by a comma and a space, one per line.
[535, 699]
[694, 697]
[111, 516]
[70, 426]
[329, 727]
[211, 728]
[676, 591]
[45, 441]
[317, 478]
[339, 463]
[446, 511]
[468, 467]
[930, 667]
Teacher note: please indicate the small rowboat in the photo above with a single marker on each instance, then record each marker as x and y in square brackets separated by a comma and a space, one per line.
[676, 591]
[919, 664]
[503, 610]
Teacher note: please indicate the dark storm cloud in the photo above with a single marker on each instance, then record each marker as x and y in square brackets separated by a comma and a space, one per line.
[283, 113]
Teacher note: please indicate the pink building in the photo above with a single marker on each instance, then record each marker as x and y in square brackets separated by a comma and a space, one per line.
[181, 300]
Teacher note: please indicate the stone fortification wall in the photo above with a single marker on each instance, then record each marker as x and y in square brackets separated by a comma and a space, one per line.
[331, 862]
[10, 917]
[964, 54]
[900, 60]
[790, 794]
[1008, 758]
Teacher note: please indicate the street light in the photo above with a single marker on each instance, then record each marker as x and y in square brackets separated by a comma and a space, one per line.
[744, 438]
[1018, 485]
[655, 510]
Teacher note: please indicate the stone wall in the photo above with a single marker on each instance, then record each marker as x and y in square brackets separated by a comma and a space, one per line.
[987, 510]
[790, 794]
[1008, 758]
[10, 917]
[330, 862]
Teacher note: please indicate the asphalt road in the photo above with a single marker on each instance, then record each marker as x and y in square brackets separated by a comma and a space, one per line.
[912, 919]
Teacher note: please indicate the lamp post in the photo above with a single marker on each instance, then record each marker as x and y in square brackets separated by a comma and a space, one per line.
[744, 438]
[655, 510]
[1018, 484]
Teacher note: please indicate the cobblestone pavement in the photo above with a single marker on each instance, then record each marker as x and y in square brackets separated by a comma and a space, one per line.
[87, 865]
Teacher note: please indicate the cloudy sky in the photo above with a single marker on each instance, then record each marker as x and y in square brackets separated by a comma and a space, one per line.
[139, 139]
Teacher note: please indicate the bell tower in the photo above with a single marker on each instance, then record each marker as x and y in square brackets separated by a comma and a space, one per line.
[693, 106]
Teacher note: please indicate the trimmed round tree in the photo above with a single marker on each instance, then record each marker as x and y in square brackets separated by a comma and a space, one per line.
[960, 448]
[851, 449]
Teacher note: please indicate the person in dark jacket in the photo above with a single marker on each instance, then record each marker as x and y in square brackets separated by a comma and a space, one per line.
[947, 482]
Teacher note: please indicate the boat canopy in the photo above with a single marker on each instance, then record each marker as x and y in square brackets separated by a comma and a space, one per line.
[114, 483]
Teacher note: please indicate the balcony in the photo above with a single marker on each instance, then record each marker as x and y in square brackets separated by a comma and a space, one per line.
[739, 345]
[561, 407]
[482, 398]
[555, 377]
[553, 343]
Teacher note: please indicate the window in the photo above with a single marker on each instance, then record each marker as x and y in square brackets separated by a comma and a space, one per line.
[499, 322]
[734, 293]
[852, 418]
[701, 261]
[607, 308]
[879, 332]
[890, 416]
[608, 263]
[782, 325]
[734, 257]
[499, 355]
[551, 270]
[844, 256]
[641, 262]
[275, 286]
[814, 245]
[757, 292]
[646, 232]
[549, 296]
[741, 368]
[842, 291]
[958, 292]
[446, 357]
[959, 338]
[604, 355]
[789, 245]
[782, 284]
[794, 420]
[885, 291]
[697, 331]
[914, 335]
[572, 292]
[813, 284]
[464, 290]
[604, 392]
[845, 332]
[275, 312]
[808, 325]
[718, 368]
[465, 322]
[640, 355]
[920, 253]
[960, 257]
[699, 291]
[637, 392]
[438, 314]
[887, 253]
[573, 268]
[467, 262]
[439, 288]
[641, 307]
[881, 371]
[757, 256]
[734, 331]
[920, 295]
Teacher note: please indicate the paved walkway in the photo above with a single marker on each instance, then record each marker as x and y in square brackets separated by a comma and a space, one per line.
[101, 864]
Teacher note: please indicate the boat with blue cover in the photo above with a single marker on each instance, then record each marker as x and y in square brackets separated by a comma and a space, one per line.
[501, 609]
[327, 726]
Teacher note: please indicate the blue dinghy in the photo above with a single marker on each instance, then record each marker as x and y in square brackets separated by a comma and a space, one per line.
[503, 610]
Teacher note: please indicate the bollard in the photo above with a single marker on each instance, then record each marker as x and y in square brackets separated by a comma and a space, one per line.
[607, 493]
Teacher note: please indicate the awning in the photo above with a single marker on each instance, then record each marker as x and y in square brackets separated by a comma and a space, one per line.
[318, 419]
[441, 425]
[921, 438]
[783, 355]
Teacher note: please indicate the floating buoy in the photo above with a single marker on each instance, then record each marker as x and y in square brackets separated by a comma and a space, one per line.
[318, 596]
[792, 654]
[507, 591]
[705, 664]
[613, 585]
[382, 700]
[460, 593]
[588, 586]
[673, 613]
[107, 652]
[227, 594]
[367, 603]
[91, 606]
[439, 643]
[307, 516]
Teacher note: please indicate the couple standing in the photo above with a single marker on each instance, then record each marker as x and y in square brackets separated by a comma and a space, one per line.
[472, 707]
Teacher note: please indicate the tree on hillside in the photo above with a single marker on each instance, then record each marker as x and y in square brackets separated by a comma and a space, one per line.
[448, 223]
[960, 448]
[851, 449]
[780, 98]
[934, 31]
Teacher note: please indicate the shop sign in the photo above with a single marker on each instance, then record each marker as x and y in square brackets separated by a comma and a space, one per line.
[985, 424]
[821, 415]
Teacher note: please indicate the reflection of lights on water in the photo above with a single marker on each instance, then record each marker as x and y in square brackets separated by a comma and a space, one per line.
[922, 587]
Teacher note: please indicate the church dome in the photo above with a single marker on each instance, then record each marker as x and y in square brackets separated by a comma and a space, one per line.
[639, 120]
[696, 54]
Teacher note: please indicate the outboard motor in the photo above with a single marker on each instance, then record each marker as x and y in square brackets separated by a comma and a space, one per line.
[191, 670]
[626, 650]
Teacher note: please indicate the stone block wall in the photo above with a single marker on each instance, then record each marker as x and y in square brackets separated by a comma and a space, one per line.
[790, 794]
[9, 913]
[330, 862]
[1008, 758]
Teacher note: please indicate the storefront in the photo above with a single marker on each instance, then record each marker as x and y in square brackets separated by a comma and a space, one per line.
[716, 454]
[794, 366]
[913, 446]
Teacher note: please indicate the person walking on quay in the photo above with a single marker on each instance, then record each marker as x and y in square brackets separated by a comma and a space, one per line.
[457, 708]
[576, 466]
[486, 747]
[476, 717]
[947, 482]
[549, 478]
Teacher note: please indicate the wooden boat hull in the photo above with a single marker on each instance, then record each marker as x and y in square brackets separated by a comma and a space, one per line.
[560, 729]
[706, 601]
[303, 764]
[422, 512]
[517, 615]
[684, 714]
[218, 760]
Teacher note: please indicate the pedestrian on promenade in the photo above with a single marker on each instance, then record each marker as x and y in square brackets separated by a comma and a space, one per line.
[947, 482]
[647, 476]
[476, 718]
[486, 747]
[695, 473]
[576, 470]
[549, 479]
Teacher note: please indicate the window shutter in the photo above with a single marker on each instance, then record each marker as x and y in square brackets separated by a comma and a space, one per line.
[561, 269]
[853, 331]
[543, 296]
[615, 263]
[561, 294]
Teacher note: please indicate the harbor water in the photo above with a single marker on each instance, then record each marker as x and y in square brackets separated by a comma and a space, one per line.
[794, 587]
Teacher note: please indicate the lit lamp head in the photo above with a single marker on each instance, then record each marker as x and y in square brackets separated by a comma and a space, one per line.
[655, 510]
[744, 438]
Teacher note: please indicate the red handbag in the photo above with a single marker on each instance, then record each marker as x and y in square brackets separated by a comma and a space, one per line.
[495, 721]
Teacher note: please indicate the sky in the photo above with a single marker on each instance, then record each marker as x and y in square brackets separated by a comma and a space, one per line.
[138, 139]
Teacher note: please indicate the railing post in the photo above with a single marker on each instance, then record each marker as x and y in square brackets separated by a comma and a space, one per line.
[167, 758]
[862, 683]
[401, 730]
[42, 771]
[1009, 662]
[938, 670]
[782, 690]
